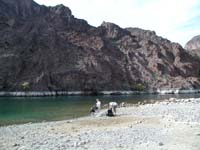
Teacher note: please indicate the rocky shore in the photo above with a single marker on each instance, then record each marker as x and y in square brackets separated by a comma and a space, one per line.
[61, 93]
[171, 124]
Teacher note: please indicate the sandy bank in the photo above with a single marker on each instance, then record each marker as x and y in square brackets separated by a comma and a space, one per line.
[169, 125]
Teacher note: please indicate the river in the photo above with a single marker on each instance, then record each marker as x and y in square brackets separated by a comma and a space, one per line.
[18, 110]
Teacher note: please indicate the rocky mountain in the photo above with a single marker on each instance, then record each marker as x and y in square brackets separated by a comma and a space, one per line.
[193, 46]
[48, 49]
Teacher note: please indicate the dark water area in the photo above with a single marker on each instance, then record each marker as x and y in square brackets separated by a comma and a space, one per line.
[19, 110]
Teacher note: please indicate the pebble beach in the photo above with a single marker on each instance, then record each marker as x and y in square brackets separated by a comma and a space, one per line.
[171, 124]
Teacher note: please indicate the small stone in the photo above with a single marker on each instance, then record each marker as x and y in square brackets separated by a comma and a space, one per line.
[119, 145]
[69, 121]
[22, 137]
[67, 140]
[161, 144]
[75, 144]
[140, 121]
[83, 143]
[15, 145]
[87, 141]
[198, 134]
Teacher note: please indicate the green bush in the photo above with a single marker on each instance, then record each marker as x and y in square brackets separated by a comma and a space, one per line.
[138, 87]
[25, 85]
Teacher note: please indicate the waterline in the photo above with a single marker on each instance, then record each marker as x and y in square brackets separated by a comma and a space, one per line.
[116, 92]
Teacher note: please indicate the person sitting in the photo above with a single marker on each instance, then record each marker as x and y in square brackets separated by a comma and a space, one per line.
[93, 109]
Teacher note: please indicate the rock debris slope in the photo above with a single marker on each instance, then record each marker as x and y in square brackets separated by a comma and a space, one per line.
[47, 48]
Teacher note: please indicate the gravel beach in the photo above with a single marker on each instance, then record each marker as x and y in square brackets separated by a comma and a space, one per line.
[172, 124]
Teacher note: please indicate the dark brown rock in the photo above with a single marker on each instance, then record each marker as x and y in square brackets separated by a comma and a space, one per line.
[47, 48]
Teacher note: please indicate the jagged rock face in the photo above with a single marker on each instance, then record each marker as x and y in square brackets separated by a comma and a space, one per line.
[193, 46]
[47, 48]
[21, 8]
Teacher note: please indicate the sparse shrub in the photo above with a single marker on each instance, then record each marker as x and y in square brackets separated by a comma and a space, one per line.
[25, 85]
[138, 87]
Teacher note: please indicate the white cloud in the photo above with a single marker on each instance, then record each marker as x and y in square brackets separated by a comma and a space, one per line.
[162, 16]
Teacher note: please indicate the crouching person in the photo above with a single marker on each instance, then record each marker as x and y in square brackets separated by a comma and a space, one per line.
[112, 109]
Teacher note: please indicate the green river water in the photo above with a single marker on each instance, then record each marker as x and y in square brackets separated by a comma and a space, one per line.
[18, 110]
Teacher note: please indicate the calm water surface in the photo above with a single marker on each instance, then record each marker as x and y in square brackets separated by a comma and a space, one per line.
[17, 110]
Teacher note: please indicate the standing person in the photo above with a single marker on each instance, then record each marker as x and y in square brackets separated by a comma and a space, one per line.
[98, 104]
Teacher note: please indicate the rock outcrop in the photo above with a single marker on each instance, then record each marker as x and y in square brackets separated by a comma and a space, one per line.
[48, 49]
[193, 46]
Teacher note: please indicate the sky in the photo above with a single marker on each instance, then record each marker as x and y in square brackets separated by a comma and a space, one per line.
[176, 20]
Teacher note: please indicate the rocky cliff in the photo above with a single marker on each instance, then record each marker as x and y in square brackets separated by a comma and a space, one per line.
[48, 49]
[193, 46]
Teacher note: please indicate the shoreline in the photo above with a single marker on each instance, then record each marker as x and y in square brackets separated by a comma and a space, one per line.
[77, 93]
[169, 124]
